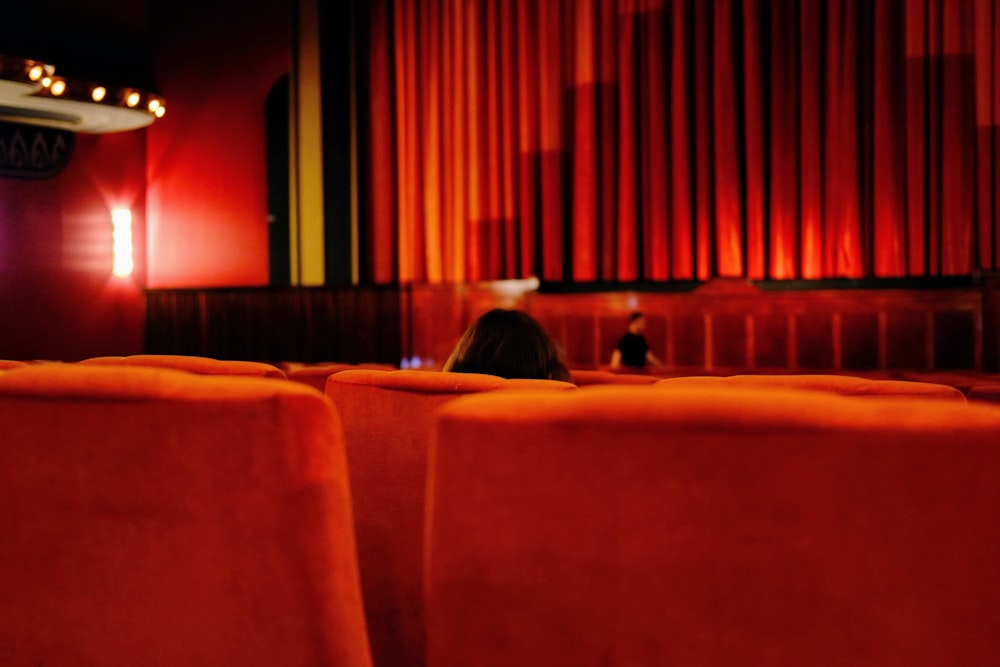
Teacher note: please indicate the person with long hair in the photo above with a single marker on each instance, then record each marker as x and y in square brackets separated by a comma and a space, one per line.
[509, 344]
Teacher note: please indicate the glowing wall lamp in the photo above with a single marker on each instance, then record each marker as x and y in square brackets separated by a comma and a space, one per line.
[121, 239]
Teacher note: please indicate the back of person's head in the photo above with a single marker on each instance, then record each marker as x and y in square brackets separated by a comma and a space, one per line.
[636, 322]
[509, 344]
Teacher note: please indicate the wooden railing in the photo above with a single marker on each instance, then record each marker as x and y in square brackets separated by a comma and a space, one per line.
[349, 324]
[736, 326]
[720, 326]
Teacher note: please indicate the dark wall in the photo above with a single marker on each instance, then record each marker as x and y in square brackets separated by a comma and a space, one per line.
[58, 297]
[195, 181]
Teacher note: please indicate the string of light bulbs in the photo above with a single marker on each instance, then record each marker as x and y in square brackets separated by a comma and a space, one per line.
[47, 84]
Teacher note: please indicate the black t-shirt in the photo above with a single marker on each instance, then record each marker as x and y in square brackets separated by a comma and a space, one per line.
[633, 348]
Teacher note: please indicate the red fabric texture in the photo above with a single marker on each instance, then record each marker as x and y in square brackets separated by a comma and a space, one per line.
[985, 393]
[315, 375]
[582, 377]
[961, 380]
[657, 140]
[844, 385]
[624, 526]
[7, 364]
[158, 517]
[387, 418]
[192, 364]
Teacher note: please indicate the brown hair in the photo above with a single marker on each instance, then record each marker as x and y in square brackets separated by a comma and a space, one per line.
[510, 344]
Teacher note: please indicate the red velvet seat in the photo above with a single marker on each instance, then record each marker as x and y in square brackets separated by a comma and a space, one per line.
[844, 385]
[623, 526]
[291, 366]
[315, 375]
[961, 380]
[154, 517]
[387, 418]
[192, 364]
[985, 393]
[582, 377]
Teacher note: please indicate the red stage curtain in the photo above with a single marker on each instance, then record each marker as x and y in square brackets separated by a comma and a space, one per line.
[659, 140]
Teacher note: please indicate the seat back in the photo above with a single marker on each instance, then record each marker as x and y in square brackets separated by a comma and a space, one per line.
[154, 517]
[192, 364]
[583, 377]
[387, 418]
[623, 526]
[986, 393]
[315, 375]
[844, 385]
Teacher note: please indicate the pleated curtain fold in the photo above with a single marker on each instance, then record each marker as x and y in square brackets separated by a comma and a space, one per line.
[677, 140]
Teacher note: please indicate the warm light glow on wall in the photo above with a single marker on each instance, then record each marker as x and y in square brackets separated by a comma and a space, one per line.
[121, 238]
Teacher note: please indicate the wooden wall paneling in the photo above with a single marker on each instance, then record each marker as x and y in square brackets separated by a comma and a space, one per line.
[954, 340]
[793, 342]
[814, 337]
[434, 320]
[612, 327]
[669, 357]
[275, 325]
[836, 337]
[689, 339]
[906, 337]
[883, 340]
[990, 323]
[577, 335]
[730, 327]
[771, 339]
[859, 341]
[708, 340]
[656, 332]
[729, 336]
[595, 328]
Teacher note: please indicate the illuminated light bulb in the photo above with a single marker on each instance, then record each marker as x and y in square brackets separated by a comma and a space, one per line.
[160, 110]
[36, 72]
[132, 99]
[98, 93]
[58, 87]
[121, 241]
[47, 81]
[154, 104]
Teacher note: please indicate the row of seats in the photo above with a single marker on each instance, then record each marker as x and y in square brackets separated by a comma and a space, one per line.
[382, 426]
[982, 387]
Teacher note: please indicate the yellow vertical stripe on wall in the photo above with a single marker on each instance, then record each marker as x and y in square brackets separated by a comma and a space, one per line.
[355, 236]
[306, 241]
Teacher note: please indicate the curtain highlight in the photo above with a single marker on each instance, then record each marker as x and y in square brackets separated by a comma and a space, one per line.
[662, 140]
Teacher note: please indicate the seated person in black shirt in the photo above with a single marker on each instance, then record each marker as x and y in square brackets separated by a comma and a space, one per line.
[632, 353]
